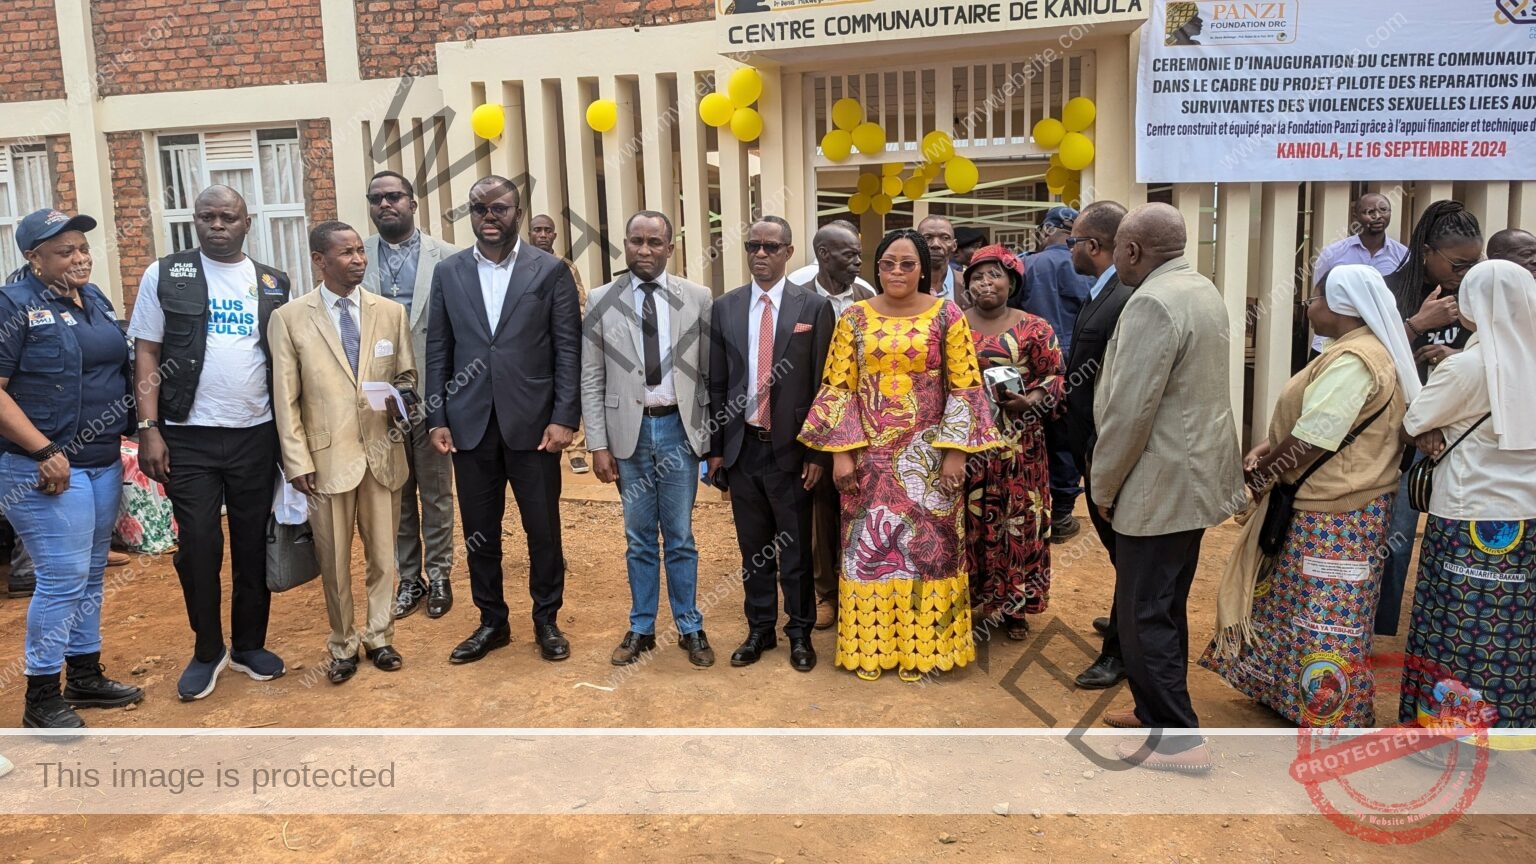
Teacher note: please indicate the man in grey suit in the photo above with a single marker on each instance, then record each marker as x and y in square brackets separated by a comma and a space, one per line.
[504, 397]
[401, 260]
[1166, 466]
[645, 398]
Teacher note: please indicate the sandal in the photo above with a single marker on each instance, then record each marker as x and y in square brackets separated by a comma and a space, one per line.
[1017, 629]
[868, 675]
[911, 676]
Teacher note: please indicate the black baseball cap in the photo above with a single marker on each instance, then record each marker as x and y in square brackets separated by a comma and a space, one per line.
[39, 225]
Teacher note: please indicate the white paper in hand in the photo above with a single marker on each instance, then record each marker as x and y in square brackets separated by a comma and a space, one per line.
[380, 392]
[289, 505]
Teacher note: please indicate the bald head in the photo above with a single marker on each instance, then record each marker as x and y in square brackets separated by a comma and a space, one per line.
[838, 256]
[1149, 237]
[221, 221]
[1514, 244]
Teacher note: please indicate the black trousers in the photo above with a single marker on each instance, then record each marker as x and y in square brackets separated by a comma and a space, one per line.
[236, 469]
[1152, 581]
[773, 516]
[481, 476]
[1106, 534]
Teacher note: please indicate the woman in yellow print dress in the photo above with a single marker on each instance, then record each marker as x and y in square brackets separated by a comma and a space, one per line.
[900, 407]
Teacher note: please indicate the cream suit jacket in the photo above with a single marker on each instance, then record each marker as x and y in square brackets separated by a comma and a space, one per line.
[324, 422]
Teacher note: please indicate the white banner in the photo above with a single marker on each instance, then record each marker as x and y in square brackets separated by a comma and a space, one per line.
[1337, 90]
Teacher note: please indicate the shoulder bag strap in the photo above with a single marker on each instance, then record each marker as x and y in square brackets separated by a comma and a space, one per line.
[1462, 437]
[1348, 440]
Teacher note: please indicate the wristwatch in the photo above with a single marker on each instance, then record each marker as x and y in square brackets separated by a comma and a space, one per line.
[149, 424]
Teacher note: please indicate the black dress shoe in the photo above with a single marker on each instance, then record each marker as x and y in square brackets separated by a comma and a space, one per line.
[756, 643]
[1101, 626]
[439, 598]
[1065, 528]
[1104, 673]
[480, 643]
[553, 645]
[801, 655]
[386, 658]
[408, 598]
[631, 648]
[697, 646]
[341, 669]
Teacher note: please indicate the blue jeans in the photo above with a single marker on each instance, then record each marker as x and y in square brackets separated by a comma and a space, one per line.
[67, 535]
[1402, 528]
[658, 485]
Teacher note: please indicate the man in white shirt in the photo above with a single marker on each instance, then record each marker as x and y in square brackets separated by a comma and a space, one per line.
[203, 373]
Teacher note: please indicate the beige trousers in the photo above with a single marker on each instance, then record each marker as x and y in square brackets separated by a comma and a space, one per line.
[375, 511]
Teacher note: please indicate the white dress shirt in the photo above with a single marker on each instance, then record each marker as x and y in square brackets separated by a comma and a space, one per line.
[807, 275]
[664, 393]
[329, 299]
[775, 297]
[494, 279]
[1477, 480]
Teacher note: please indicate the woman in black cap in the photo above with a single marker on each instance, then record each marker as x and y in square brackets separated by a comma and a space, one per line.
[64, 406]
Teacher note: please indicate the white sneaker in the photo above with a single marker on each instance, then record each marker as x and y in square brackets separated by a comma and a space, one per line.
[5, 766]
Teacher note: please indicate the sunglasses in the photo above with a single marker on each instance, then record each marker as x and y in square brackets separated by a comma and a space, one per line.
[755, 246]
[890, 265]
[377, 198]
[1073, 241]
[497, 210]
[1458, 266]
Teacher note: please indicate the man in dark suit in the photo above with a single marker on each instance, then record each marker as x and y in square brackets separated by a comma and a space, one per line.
[504, 397]
[1092, 245]
[769, 344]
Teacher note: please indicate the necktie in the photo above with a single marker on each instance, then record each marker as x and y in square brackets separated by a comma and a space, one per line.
[349, 336]
[764, 361]
[648, 330]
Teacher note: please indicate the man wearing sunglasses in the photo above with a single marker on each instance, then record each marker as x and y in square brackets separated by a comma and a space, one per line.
[401, 261]
[504, 398]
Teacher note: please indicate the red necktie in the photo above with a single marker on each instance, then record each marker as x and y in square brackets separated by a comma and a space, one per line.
[764, 362]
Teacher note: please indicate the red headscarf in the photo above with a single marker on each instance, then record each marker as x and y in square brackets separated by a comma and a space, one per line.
[1012, 264]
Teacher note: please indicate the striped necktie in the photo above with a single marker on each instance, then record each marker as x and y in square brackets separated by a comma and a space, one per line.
[349, 335]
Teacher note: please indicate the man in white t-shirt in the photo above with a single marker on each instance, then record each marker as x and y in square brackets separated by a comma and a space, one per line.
[203, 377]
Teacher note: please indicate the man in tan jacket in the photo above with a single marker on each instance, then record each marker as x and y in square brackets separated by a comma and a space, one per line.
[349, 458]
[1165, 467]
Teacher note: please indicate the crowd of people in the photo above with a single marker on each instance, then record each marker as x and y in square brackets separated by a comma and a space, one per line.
[900, 456]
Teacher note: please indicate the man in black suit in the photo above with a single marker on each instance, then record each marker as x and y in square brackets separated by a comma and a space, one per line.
[504, 397]
[1092, 245]
[769, 344]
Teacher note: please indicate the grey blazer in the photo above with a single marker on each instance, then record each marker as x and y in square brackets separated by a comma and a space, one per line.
[1167, 457]
[433, 250]
[612, 363]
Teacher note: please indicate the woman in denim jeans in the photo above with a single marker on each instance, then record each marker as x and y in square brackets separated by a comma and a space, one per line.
[64, 406]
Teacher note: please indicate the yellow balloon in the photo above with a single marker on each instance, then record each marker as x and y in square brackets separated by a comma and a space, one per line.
[1055, 178]
[891, 186]
[881, 204]
[847, 114]
[961, 175]
[1076, 151]
[869, 184]
[869, 138]
[915, 187]
[1078, 114]
[1048, 133]
[746, 124]
[1056, 160]
[891, 169]
[1072, 194]
[716, 109]
[938, 147]
[836, 145]
[488, 121]
[602, 115]
[744, 86]
[858, 202]
[1055, 190]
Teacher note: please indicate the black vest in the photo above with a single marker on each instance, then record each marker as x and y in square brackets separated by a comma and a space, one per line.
[183, 293]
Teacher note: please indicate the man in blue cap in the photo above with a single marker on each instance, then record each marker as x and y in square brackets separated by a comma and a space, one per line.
[1057, 292]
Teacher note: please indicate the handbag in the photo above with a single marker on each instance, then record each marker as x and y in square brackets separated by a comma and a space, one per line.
[1421, 477]
[291, 558]
[1282, 497]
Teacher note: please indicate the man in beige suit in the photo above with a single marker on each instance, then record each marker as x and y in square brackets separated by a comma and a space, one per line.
[347, 457]
[1166, 465]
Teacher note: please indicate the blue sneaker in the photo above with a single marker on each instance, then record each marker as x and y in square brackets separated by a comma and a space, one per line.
[199, 679]
[260, 664]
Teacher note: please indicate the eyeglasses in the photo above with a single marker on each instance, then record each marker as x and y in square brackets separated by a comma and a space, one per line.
[497, 210]
[756, 246]
[1459, 266]
[1073, 241]
[891, 265]
[377, 198]
[1307, 303]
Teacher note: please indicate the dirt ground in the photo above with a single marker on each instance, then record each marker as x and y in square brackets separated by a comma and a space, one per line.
[147, 641]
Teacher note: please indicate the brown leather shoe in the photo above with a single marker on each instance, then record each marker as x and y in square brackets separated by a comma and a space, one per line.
[116, 558]
[1124, 719]
[697, 646]
[631, 648]
[826, 612]
[1195, 760]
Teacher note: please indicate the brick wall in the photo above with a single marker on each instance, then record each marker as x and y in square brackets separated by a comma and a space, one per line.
[393, 35]
[319, 170]
[62, 161]
[30, 64]
[155, 46]
[135, 242]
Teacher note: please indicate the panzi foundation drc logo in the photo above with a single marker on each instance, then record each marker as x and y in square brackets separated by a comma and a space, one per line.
[1514, 11]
